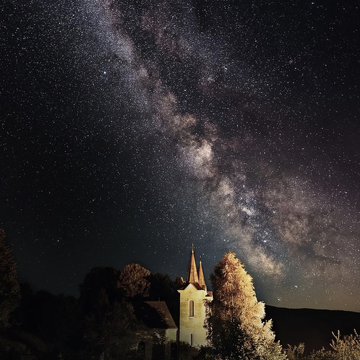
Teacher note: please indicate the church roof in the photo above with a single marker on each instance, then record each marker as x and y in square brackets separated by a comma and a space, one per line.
[195, 285]
[192, 272]
[156, 315]
[195, 278]
[201, 276]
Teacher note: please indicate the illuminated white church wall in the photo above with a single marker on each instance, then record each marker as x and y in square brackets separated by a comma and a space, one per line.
[193, 297]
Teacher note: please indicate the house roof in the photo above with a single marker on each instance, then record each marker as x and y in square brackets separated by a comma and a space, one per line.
[156, 315]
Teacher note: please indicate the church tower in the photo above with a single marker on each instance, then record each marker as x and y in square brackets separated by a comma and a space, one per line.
[193, 296]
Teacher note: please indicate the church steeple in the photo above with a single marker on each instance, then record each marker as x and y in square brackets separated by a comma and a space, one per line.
[201, 276]
[192, 273]
[192, 308]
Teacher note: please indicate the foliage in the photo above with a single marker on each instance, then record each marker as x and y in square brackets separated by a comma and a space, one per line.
[188, 352]
[14, 344]
[44, 326]
[322, 355]
[97, 281]
[9, 286]
[162, 287]
[117, 334]
[296, 352]
[207, 353]
[133, 281]
[346, 348]
[234, 321]
[54, 319]
[110, 325]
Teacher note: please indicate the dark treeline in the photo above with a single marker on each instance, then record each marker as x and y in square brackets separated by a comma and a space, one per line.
[102, 321]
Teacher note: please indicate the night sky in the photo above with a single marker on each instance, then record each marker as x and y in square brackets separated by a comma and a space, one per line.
[131, 129]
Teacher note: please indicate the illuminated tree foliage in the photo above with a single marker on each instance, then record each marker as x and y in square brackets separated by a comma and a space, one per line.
[343, 348]
[9, 286]
[235, 326]
[347, 348]
[133, 281]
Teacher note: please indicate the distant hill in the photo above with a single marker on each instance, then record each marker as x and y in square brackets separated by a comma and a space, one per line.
[309, 326]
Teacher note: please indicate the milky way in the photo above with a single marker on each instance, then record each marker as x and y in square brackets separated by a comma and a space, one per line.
[232, 126]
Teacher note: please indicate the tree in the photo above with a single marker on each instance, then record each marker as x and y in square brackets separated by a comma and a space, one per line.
[347, 348]
[9, 286]
[133, 281]
[97, 281]
[116, 334]
[111, 328]
[296, 352]
[343, 348]
[234, 322]
[161, 287]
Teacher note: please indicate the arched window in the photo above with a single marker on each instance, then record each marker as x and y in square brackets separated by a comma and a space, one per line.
[191, 308]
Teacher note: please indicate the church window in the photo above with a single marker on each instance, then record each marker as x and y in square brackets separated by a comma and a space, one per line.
[191, 339]
[191, 308]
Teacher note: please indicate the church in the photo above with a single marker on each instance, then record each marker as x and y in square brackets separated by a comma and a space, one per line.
[193, 296]
[190, 332]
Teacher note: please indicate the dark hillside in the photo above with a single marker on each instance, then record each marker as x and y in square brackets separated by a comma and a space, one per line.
[309, 326]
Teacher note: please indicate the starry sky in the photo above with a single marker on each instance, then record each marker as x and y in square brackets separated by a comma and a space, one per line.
[131, 129]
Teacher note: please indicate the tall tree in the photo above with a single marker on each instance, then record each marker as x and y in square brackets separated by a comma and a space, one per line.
[9, 286]
[235, 326]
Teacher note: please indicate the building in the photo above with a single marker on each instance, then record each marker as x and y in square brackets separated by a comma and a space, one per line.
[167, 340]
[163, 337]
[193, 297]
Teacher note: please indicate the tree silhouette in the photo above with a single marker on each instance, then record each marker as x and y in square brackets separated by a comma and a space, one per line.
[97, 281]
[111, 328]
[117, 334]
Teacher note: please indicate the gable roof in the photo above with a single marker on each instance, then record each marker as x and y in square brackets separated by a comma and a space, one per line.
[194, 285]
[155, 315]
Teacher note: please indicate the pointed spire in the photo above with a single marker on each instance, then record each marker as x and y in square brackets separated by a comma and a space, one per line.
[192, 273]
[201, 276]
